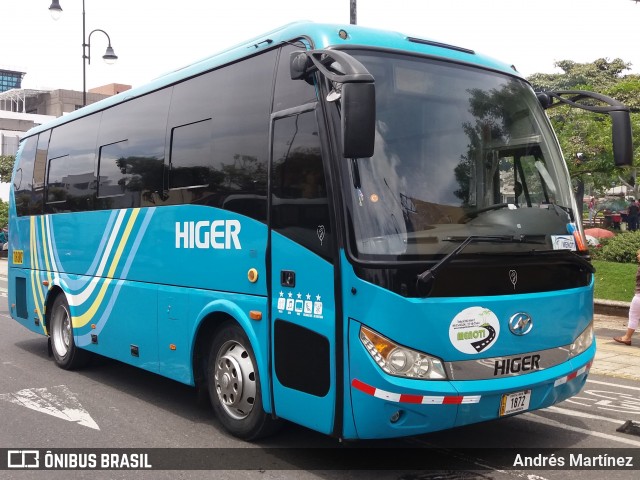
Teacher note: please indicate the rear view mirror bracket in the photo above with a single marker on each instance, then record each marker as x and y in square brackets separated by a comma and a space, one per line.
[335, 65]
[619, 113]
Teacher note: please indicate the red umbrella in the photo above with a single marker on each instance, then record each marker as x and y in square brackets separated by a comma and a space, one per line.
[599, 233]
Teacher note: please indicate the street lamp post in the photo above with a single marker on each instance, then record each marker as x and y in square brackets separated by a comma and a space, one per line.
[109, 56]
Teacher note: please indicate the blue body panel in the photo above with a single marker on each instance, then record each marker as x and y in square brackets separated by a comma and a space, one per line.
[423, 325]
[311, 306]
[137, 284]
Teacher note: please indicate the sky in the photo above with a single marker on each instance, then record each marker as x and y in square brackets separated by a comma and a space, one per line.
[153, 37]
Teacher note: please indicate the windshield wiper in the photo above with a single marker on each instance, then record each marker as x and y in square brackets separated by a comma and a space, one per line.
[478, 211]
[430, 274]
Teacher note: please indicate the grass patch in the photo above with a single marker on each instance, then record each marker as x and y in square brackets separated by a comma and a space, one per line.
[615, 281]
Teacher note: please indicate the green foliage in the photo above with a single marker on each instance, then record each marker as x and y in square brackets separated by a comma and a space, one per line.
[599, 74]
[626, 91]
[6, 167]
[615, 281]
[621, 249]
[4, 213]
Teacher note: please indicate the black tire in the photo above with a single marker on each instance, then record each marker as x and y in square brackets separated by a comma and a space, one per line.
[65, 352]
[234, 385]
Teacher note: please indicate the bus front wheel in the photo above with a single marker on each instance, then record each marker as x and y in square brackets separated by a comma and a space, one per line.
[234, 385]
[65, 352]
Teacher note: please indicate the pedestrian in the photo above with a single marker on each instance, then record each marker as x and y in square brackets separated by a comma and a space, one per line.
[592, 210]
[634, 310]
[632, 216]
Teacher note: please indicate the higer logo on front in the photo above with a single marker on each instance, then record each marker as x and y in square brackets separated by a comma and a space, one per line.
[216, 234]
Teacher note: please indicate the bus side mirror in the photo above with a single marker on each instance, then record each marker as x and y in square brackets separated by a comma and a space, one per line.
[358, 119]
[354, 87]
[621, 137]
[545, 100]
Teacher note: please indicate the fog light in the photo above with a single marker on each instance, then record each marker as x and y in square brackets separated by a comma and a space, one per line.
[395, 417]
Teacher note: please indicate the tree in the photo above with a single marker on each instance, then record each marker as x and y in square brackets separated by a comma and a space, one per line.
[4, 213]
[581, 132]
[6, 167]
[599, 74]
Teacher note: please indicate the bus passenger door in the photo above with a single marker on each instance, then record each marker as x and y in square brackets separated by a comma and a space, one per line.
[302, 278]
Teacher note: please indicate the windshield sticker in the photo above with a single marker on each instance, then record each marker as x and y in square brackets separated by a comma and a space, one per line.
[563, 242]
[474, 330]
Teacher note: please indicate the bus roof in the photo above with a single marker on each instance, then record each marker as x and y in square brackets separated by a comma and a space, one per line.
[320, 35]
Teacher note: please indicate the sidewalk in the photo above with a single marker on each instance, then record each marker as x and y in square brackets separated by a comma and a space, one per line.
[613, 358]
[610, 320]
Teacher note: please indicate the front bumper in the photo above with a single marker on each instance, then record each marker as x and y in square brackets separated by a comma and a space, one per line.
[385, 406]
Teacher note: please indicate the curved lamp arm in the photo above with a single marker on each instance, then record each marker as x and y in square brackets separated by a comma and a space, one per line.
[109, 56]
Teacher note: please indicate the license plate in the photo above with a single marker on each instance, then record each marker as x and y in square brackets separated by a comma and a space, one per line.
[18, 256]
[515, 402]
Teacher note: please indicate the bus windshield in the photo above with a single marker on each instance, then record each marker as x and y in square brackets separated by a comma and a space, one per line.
[459, 152]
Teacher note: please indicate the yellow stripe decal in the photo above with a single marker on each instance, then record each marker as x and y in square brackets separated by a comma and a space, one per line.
[82, 320]
[38, 296]
[45, 251]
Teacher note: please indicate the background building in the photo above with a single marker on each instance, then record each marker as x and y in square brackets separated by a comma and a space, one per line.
[10, 79]
[22, 108]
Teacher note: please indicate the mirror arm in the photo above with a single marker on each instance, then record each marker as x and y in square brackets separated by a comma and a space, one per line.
[619, 113]
[304, 63]
[553, 99]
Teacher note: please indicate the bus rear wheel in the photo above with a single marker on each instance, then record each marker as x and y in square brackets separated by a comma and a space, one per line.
[65, 352]
[234, 385]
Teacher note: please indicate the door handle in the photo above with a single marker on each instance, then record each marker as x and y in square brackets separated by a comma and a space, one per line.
[288, 278]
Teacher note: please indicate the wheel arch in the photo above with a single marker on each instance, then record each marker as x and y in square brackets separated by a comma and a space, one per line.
[52, 294]
[209, 322]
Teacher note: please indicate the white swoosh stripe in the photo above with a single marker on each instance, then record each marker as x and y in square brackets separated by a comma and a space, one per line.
[78, 299]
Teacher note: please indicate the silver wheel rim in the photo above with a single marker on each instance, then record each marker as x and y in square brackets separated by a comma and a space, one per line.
[235, 380]
[61, 331]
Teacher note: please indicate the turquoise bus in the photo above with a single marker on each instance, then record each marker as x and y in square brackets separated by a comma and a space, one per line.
[364, 233]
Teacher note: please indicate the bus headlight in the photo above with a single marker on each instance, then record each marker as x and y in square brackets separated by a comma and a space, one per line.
[584, 341]
[401, 361]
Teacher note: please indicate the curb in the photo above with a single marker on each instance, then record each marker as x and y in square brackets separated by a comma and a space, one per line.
[611, 307]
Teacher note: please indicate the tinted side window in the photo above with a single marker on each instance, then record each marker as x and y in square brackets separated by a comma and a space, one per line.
[290, 93]
[131, 148]
[219, 124]
[115, 177]
[71, 184]
[190, 155]
[299, 203]
[23, 178]
[39, 170]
